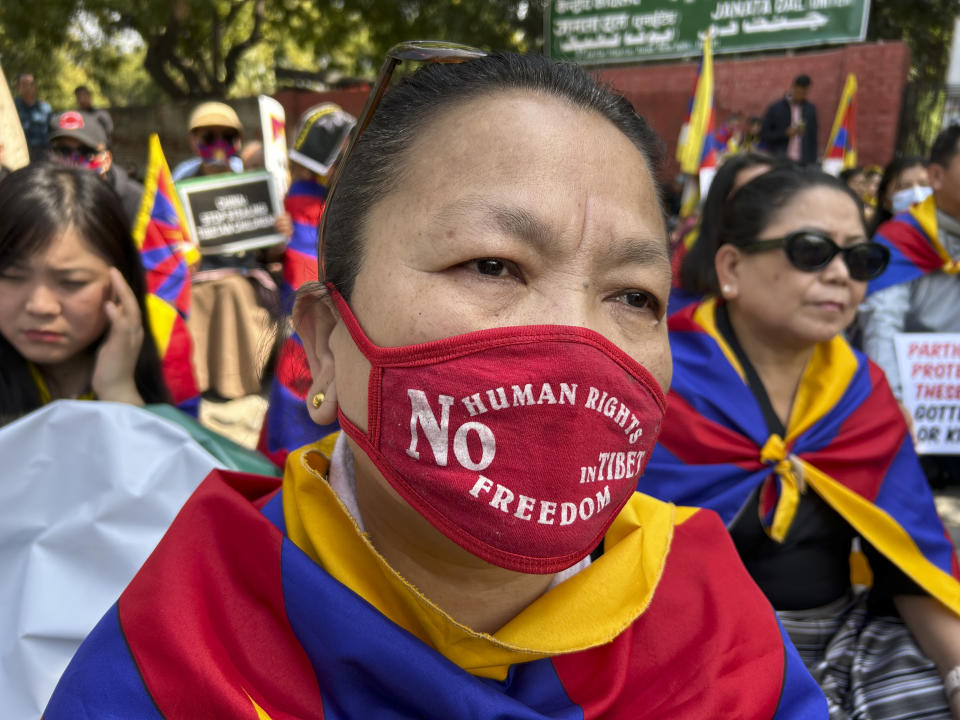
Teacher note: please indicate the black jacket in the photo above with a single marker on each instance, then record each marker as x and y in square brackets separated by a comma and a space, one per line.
[129, 190]
[774, 131]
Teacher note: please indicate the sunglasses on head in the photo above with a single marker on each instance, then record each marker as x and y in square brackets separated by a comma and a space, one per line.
[811, 251]
[211, 136]
[425, 51]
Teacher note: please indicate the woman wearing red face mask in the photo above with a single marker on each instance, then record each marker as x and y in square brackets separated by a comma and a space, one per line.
[72, 319]
[490, 334]
[796, 440]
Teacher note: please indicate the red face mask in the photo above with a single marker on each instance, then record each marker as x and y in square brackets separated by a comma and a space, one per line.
[520, 444]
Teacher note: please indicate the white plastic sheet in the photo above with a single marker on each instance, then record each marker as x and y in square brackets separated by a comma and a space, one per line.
[87, 489]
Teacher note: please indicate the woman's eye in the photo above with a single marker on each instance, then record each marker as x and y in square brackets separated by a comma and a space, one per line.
[490, 266]
[74, 284]
[11, 277]
[641, 301]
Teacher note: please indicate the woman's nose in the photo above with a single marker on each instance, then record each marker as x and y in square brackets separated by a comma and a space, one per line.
[42, 301]
[837, 270]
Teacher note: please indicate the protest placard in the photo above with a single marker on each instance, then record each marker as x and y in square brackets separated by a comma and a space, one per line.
[231, 212]
[274, 129]
[15, 154]
[930, 376]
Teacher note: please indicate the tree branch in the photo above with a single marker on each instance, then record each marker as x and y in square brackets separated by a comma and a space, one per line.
[233, 57]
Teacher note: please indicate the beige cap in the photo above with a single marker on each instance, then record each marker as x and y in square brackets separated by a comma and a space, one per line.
[214, 114]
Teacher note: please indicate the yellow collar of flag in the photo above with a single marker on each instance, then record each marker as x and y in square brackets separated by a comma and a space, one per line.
[925, 213]
[44, 391]
[587, 610]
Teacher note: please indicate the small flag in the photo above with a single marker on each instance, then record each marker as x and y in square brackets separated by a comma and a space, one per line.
[166, 252]
[841, 151]
[696, 148]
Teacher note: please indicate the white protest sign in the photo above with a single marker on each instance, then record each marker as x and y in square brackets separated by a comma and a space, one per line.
[930, 376]
[273, 127]
[15, 154]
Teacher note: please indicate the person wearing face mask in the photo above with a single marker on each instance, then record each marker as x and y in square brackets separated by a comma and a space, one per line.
[216, 136]
[905, 182]
[229, 318]
[78, 140]
[490, 333]
[796, 440]
[919, 292]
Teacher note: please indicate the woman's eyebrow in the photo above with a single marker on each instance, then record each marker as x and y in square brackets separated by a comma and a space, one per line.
[506, 219]
[650, 251]
[524, 225]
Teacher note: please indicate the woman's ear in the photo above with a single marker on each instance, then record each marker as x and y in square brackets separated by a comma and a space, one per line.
[314, 318]
[727, 264]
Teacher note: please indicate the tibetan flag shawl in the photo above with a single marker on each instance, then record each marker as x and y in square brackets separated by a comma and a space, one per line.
[846, 440]
[915, 247]
[268, 603]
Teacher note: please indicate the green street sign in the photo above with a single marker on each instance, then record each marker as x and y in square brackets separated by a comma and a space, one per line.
[623, 31]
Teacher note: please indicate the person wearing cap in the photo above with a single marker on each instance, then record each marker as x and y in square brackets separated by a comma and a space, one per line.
[322, 133]
[215, 134]
[78, 139]
[231, 291]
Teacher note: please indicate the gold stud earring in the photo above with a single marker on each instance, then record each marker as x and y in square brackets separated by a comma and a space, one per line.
[318, 399]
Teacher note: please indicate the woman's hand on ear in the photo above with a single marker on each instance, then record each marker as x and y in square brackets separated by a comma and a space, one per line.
[113, 372]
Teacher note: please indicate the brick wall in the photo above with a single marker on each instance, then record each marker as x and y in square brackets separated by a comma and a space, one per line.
[661, 92]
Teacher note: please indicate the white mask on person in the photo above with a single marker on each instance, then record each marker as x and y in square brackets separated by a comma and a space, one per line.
[903, 199]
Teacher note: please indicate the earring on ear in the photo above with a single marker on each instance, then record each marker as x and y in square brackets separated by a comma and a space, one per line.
[318, 399]
[726, 289]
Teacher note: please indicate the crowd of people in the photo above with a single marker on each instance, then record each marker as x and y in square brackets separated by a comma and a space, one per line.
[581, 470]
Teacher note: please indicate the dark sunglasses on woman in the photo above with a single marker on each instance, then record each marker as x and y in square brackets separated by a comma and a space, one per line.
[811, 251]
[211, 136]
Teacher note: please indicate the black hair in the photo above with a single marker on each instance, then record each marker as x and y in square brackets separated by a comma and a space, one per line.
[80, 88]
[378, 158]
[850, 173]
[945, 146]
[802, 81]
[890, 174]
[755, 206]
[697, 274]
[37, 202]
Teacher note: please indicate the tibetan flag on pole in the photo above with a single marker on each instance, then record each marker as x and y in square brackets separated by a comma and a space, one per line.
[841, 151]
[166, 252]
[696, 149]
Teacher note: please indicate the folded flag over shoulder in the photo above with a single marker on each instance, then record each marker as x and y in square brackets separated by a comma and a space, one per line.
[678, 630]
[166, 252]
[915, 247]
[846, 440]
[287, 424]
[841, 151]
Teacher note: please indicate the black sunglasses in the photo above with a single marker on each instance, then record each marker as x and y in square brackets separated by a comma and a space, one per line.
[426, 51]
[811, 251]
[67, 151]
[210, 136]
